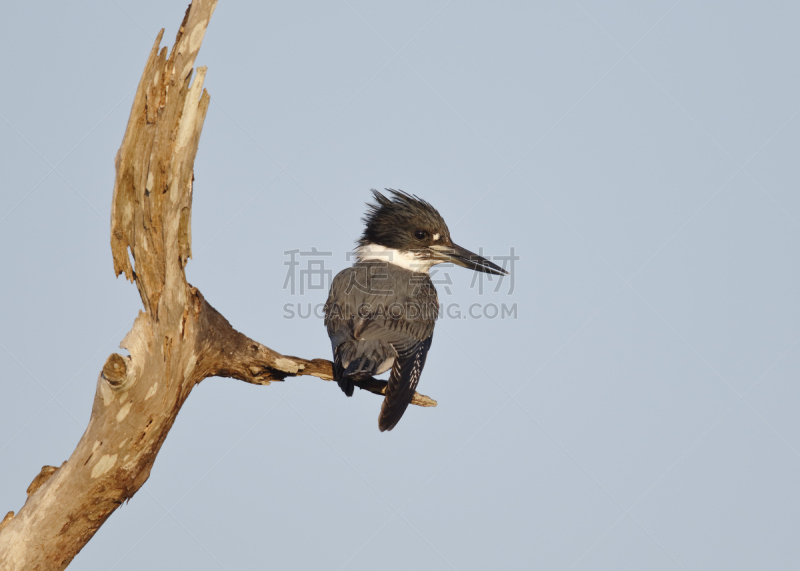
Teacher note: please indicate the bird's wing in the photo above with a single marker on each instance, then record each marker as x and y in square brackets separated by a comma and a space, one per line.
[348, 312]
[403, 381]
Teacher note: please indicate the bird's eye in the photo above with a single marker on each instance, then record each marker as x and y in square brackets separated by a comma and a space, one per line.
[421, 234]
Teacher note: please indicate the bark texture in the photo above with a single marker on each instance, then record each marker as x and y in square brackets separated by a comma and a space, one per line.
[176, 341]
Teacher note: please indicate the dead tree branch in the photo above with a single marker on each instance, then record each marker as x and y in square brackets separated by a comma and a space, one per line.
[176, 342]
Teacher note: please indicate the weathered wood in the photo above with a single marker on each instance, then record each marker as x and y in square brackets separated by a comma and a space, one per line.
[6, 519]
[176, 342]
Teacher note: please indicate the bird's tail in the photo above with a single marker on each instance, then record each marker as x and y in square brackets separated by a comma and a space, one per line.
[403, 382]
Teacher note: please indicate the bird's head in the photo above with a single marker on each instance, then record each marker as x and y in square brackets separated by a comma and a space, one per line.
[404, 230]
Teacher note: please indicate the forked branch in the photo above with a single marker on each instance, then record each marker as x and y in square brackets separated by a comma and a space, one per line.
[176, 342]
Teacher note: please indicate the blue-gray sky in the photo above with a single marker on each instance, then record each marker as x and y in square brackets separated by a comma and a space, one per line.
[641, 159]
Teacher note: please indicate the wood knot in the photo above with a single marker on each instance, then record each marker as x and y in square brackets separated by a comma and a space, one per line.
[40, 479]
[115, 370]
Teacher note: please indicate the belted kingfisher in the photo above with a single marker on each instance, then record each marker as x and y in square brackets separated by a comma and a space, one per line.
[381, 312]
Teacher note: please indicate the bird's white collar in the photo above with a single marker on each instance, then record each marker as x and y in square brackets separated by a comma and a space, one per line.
[406, 260]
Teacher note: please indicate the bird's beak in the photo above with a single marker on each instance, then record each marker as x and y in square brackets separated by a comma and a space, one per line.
[466, 259]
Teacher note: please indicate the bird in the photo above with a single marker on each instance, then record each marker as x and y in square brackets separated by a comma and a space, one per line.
[381, 312]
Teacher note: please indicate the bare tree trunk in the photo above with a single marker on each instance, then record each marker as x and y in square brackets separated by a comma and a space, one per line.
[176, 342]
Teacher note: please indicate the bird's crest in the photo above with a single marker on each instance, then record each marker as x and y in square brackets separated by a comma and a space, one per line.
[393, 221]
